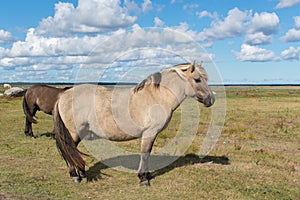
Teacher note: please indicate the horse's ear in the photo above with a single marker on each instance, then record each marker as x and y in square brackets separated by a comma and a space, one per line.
[200, 65]
[192, 67]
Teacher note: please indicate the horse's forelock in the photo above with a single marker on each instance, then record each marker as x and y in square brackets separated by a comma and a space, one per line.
[201, 72]
[178, 71]
[180, 68]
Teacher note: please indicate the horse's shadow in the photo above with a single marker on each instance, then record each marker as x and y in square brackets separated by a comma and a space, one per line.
[50, 135]
[131, 162]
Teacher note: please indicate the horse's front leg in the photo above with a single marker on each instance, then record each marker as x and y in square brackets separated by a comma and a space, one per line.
[143, 171]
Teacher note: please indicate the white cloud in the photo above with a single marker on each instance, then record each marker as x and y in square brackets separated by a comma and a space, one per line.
[265, 22]
[207, 45]
[205, 13]
[290, 54]
[6, 37]
[107, 15]
[257, 38]
[13, 62]
[131, 6]
[261, 27]
[3, 51]
[190, 6]
[258, 27]
[297, 21]
[147, 5]
[64, 60]
[184, 32]
[254, 54]
[38, 45]
[287, 3]
[232, 26]
[38, 52]
[293, 35]
[158, 22]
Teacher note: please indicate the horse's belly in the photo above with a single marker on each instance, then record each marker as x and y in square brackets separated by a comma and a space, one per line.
[120, 136]
[115, 134]
[109, 127]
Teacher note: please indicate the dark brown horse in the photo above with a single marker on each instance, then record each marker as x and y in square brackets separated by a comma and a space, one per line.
[39, 98]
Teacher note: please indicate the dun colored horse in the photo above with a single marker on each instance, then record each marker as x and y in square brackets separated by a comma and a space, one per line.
[122, 115]
[39, 98]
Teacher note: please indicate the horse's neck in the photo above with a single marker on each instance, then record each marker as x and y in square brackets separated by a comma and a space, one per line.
[174, 87]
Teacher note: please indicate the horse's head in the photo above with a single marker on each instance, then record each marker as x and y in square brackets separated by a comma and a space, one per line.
[196, 87]
[199, 89]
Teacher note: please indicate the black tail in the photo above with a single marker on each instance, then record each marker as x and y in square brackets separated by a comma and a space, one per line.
[28, 114]
[66, 144]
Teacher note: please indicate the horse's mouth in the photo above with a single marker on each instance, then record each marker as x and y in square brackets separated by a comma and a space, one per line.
[210, 102]
[207, 102]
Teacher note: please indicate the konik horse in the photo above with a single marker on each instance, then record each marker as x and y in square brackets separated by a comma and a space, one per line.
[125, 114]
[39, 98]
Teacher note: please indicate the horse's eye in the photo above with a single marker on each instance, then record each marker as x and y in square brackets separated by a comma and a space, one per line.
[198, 80]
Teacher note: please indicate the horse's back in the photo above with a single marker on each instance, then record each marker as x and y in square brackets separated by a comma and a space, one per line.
[43, 96]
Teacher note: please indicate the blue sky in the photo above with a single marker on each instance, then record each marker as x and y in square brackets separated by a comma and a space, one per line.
[249, 41]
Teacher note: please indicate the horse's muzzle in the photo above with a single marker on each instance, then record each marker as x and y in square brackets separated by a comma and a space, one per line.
[209, 101]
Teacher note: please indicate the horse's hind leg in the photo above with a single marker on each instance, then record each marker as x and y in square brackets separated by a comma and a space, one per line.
[76, 175]
[28, 128]
[52, 134]
[73, 173]
[81, 173]
[28, 125]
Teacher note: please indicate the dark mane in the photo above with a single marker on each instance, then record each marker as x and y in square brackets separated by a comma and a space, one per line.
[68, 87]
[153, 78]
[140, 86]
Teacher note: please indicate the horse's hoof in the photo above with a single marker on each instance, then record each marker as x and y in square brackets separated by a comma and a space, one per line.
[29, 135]
[82, 174]
[76, 179]
[145, 183]
[52, 136]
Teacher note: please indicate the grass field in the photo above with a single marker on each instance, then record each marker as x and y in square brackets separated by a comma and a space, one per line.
[256, 157]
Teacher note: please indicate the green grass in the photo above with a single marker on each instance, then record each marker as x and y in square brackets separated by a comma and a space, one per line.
[256, 157]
